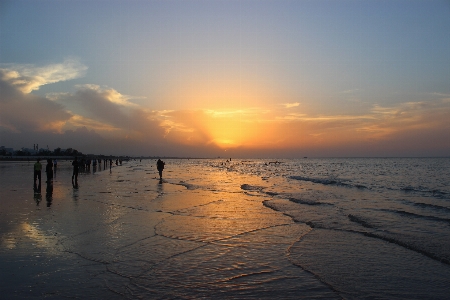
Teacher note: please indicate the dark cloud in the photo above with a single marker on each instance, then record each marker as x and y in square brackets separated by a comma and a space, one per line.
[113, 109]
[20, 112]
[97, 106]
[26, 119]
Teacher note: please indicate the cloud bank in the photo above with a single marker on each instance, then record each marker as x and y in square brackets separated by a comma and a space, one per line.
[101, 120]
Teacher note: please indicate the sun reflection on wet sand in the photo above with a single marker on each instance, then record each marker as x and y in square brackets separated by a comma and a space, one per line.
[137, 235]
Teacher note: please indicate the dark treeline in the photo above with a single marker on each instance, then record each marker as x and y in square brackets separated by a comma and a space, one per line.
[69, 153]
[43, 152]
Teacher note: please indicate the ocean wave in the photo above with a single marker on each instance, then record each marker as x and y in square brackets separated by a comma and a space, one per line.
[189, 186]
[248, 187]
[329, 181]
[360, 221]
[414, 215]
[408, 246]
[433, 206]
[434, 192]
[271, 205]
[272, 193]
[308, 202]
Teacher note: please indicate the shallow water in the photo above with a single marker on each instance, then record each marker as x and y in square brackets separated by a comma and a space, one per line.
[381, 227]
[308, 228]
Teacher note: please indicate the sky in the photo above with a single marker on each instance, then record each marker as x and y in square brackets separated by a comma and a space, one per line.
[256, 78]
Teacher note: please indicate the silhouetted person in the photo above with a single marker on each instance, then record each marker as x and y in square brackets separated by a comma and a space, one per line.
[37, 174]
[49, 170]
[160, 166]
[75, 172]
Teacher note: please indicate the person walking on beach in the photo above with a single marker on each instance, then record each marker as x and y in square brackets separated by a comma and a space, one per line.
[37, 173]
[75, 172]
[160, 166]
[49, 171]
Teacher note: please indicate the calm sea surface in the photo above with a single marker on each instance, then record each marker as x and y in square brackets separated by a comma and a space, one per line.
[354, 228]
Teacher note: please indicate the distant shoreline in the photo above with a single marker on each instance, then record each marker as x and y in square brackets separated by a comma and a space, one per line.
[125, 158]
[34, 157]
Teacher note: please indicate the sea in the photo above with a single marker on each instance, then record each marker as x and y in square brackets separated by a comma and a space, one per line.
[381, 225]
[308, 228]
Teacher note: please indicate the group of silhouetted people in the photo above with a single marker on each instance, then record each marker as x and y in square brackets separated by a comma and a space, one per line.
[38, 177]
[38, 170]
[51, 167]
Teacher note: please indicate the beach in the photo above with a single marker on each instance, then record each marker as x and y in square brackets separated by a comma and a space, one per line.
[237, 229]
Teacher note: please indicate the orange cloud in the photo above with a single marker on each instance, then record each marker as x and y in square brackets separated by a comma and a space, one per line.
[266, 129]
[80, 121]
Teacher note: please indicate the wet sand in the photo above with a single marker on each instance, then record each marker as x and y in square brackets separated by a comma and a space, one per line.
[121, 234]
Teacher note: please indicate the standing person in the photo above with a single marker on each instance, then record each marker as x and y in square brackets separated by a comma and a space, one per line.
[49, 171]
[37, 173]
[160, 166]
[75, 172]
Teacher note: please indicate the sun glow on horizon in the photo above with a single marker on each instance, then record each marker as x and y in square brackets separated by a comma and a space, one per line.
[226, 128]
